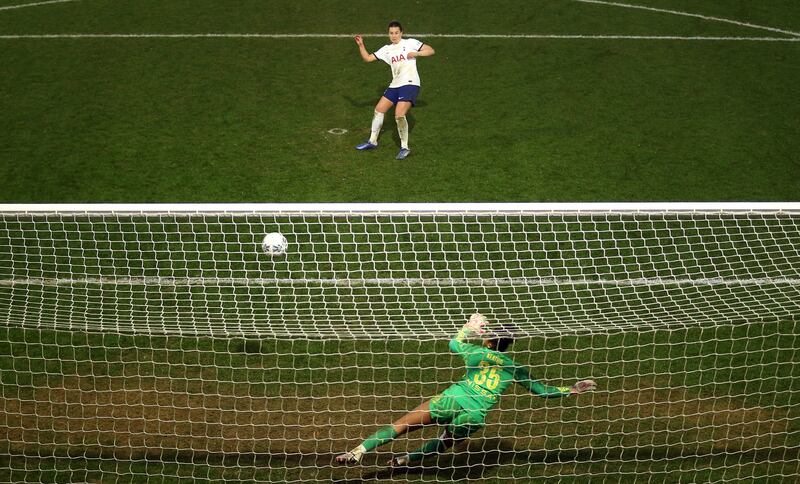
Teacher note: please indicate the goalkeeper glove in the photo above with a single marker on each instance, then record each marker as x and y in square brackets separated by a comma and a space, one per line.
[583, 386]
[475, 324]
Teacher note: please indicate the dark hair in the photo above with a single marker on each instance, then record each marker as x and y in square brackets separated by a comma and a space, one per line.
[502, 336]
[502, 344]
[395, 23]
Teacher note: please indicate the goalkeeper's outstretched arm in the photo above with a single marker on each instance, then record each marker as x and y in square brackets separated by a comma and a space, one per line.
[523, 377]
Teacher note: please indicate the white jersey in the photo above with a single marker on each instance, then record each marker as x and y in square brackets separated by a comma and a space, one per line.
[404, 70]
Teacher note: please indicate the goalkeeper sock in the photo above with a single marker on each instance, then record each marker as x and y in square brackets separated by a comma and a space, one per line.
[433, 446]
[377, 122]
[382, 436]
[402, 130]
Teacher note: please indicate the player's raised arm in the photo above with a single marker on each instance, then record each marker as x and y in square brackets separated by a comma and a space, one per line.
[425, 51]
[363, 50]
[473, 327]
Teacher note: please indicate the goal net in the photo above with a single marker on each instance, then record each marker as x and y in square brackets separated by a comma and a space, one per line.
[161, 342]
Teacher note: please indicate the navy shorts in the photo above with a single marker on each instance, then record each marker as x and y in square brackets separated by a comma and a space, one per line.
[402, 93]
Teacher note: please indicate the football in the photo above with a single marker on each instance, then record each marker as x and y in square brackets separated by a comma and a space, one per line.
[274, 244]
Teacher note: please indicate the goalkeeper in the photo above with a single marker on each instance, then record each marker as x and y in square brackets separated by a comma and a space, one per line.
[462, 408]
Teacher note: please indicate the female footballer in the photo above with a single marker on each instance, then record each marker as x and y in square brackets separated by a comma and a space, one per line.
[462, 408]
[401, 55]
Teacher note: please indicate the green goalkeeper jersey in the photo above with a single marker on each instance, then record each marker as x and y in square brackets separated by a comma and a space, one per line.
[489, 374]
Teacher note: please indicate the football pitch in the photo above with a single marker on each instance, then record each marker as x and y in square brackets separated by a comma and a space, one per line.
[524, 101]
[562, 101]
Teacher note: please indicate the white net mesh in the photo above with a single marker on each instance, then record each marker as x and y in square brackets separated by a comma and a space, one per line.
[167, 344]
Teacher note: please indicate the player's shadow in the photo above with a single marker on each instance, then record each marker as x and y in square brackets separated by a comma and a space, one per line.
[471, 460]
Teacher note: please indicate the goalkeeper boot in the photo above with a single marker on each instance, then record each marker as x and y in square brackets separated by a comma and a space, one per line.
[403, 154]
[366, 145]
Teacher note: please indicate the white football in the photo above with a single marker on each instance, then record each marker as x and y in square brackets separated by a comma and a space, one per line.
[274, 244]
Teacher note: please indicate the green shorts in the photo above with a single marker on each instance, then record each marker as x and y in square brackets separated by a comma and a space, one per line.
[461, 422]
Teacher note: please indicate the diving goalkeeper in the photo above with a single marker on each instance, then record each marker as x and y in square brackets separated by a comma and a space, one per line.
[462, 408]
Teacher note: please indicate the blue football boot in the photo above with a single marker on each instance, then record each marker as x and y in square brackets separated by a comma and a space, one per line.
[366, 145]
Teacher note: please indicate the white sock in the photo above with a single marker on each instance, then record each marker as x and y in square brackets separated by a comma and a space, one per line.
[402, 130]
[377, 122]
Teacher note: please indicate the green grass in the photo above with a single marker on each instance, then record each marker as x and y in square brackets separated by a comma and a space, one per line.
[90, 120]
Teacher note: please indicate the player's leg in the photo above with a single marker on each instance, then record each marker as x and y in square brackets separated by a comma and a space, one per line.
[433, 446]
[464, 425]
[413, 420]
[403, 107]
[406, 100]
[383, 106]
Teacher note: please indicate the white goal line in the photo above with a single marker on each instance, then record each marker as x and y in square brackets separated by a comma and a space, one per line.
[421, 35]
[394, 282]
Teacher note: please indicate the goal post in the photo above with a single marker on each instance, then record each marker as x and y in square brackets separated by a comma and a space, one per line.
[160, 340]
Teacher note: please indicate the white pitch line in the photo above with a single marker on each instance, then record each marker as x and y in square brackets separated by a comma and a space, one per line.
[36, 4]
[695, 15]
[425, 35]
